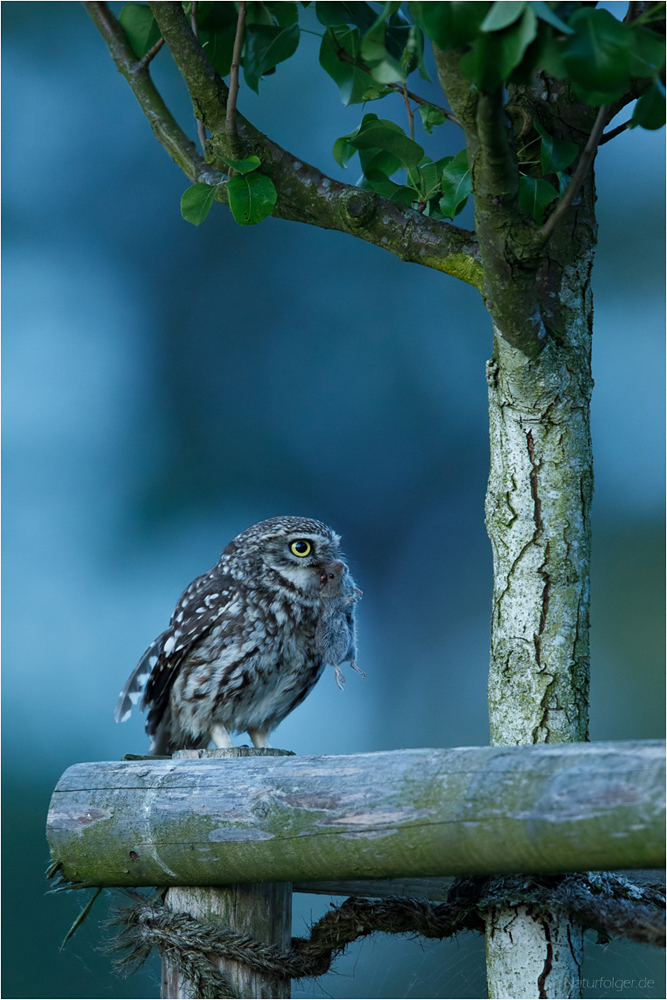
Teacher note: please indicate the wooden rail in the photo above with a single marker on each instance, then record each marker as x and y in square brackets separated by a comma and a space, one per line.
[403, 814]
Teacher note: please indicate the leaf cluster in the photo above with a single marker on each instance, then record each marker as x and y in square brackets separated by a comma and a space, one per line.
[271, 34]
[370, 54]
[439, 189]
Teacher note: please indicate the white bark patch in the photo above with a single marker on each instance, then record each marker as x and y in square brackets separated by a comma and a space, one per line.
[529, 958]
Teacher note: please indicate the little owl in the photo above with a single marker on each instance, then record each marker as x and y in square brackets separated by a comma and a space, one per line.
[244, 645]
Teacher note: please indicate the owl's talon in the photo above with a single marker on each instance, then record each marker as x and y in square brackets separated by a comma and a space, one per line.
[340, 678]
[358, 669]
[260, 738]
[221, 737]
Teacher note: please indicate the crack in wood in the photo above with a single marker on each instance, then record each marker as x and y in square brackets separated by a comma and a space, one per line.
[548, 962]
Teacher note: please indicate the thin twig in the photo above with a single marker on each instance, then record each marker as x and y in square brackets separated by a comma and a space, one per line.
[584, 163]
[230, 118]
[422, 100]
[411, 117]
[150, 55]
[201, 128]
[612, 133]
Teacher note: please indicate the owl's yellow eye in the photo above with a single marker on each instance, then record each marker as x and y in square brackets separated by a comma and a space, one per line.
[301, 548]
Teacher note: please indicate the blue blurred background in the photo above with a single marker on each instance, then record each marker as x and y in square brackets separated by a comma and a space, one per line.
[167, 386]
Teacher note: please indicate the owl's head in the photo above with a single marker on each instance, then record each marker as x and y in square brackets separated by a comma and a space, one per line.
[297, 548]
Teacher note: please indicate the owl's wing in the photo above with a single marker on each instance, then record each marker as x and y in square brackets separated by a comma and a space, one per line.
[199, 608]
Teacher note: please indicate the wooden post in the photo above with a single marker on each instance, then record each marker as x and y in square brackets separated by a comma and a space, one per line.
[262, 909]
[402, 814]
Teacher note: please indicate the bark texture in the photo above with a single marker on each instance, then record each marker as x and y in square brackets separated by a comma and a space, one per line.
[538, 518]
[528, 958]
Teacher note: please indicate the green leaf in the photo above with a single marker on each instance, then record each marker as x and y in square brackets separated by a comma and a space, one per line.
[266, 45]
[243, 166]
[213, 16]
[352, 82]
[375, 93]
[431, 117]
[378, 159]
[456, 185]
[386, 71]
[219, 47]
[414, 48]
[196, 203]
[545, 14]
[217, 30]
[551, 58]
[379, 182]
[597, 57]
[251, 198]
[450, 25]
[384, 67]
[495, 54]
[516, 41]
[556, 154]
[647, 52]
[502, 15]
[285, 13]
[386, 135]
[331, 15]
[343, 151]
[431, 177]
[258, 13]
[140, 27]
[650, 108]
[535, 195]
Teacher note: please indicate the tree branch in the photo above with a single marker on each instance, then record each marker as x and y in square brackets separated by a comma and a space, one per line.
[182, 150]
[585, 161]
[230, 117]
[511, 252]
[507, 240]
[151, 54]
[613, 132]
[201, 129]
[305, 194]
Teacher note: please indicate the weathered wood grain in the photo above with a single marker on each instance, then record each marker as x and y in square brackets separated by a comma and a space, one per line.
[402, 814]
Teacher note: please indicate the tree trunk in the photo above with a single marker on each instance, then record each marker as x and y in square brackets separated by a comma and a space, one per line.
[532, 958]
[538, 518]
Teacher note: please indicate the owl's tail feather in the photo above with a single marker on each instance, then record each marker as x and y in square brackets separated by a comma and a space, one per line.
[136, 682]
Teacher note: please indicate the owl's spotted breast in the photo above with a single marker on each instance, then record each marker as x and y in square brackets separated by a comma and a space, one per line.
[240, 652]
